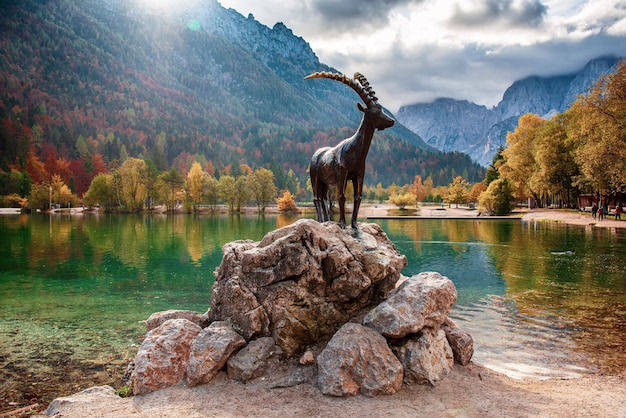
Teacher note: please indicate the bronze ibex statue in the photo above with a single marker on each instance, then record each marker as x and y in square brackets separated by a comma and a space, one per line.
[346, 161]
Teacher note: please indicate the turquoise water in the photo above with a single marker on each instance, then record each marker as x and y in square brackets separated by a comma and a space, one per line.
[539, 299]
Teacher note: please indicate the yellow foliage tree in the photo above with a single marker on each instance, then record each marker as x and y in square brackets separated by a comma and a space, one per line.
[457, 191]
[519, 155]
[195, 180]
[286, 202]
[402, 200]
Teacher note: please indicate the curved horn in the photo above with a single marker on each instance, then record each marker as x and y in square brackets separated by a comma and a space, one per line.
[359, 84]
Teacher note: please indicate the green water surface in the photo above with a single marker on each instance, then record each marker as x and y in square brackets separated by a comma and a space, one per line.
[539, 299]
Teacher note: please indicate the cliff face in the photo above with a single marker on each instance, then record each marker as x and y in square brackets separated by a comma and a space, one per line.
[459, 125]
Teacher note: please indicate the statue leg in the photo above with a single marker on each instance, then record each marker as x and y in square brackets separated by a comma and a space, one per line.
[358, 192]
[323, 205]
[324, 210]
[342, 200]
[318, 208]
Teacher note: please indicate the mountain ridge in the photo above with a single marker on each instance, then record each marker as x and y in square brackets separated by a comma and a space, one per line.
[128, 83]
[459, 125]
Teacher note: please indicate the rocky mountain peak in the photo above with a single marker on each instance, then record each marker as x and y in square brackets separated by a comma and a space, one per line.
[459, 125]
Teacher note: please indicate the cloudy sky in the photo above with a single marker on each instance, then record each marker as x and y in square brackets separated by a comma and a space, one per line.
[418, 50]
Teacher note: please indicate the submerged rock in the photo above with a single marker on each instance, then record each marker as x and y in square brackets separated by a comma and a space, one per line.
[97, 393]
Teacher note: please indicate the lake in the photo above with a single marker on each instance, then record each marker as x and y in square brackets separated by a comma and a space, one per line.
[540, 299]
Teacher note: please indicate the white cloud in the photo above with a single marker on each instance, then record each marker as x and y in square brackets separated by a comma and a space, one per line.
[418, 50]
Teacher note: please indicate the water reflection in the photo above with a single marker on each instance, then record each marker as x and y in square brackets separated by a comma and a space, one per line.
[539, 299]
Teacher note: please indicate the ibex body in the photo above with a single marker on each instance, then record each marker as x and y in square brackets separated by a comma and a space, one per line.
[346, 161]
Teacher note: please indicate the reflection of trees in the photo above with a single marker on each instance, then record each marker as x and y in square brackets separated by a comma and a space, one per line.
[586, 288]
[284, 219]
[583, 292]
[420, 231]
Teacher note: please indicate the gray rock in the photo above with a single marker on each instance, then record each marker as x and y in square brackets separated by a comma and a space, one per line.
[254, 360]
[158, 318]
[358, 360]
[460, 341]
[210, 351]
[93, 394]
[163, 356]
[426, 357]
[424, 300]
[302, 282]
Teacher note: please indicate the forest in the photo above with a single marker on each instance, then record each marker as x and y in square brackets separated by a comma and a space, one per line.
[85, 92]
[83, 89]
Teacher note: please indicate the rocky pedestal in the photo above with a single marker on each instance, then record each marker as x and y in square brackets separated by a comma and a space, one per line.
[324, 303]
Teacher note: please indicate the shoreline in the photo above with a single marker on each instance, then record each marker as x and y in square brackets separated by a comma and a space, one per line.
[468, 391]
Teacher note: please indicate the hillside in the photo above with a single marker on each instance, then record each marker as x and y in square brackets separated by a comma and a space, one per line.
[459, 125]
[94, 82]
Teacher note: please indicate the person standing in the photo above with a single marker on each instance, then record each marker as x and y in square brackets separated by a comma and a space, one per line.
[601, 212]
[594, 210]
[618, 212]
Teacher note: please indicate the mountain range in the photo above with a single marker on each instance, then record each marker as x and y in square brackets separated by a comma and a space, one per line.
[459, 125]
[124, 78]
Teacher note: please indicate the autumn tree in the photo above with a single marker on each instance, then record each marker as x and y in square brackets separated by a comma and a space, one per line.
[402, 200]
[39, 198]
[262, 187]
[476, 191]
[227, 191]
[381, 193]
[174, 182]
[61, 193]
[418, 190]
[211, 191]
[598, 128]
[498, 198]
[131, 183]
[556, 165]
[457, 191]
[286, 202]
[101, 192]
[195, 183]
[241, 192]
[519, 155]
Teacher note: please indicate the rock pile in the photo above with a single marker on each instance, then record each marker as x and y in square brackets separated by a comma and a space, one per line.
[324, 304]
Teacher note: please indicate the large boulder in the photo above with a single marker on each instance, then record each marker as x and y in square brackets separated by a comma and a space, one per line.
[254, 360]
[210, 351]
[426, 356]
[163, 356]
[358, 360]
[283, 299]
[424, 300]
[302, 282]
